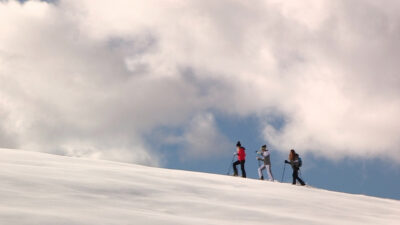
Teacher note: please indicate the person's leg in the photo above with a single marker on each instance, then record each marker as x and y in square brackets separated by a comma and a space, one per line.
[235, 172]
[260, 175]
[268, 168]
[294, 175]
[242, 168]
[300, 180]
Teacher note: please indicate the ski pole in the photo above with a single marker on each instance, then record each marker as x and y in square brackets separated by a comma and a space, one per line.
[284, 167]
[258, 161]
[230, 165]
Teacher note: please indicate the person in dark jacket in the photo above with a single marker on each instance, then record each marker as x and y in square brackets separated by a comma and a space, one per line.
[295, 163]
[241, 155]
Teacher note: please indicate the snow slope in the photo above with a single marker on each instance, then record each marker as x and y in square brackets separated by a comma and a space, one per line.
[37, 188]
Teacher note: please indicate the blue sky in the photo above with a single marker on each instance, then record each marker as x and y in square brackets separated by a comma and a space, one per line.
[176, 83]
[374, 177]
[368, 177]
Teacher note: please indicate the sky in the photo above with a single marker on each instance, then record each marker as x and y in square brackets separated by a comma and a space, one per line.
[176, 83]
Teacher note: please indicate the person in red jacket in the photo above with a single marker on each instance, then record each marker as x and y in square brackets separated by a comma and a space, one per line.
[241, 155]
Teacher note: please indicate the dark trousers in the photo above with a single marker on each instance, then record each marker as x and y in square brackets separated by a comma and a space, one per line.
[241, 162]
[296, 176]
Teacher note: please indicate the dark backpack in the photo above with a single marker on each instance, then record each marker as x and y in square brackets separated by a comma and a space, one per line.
[300, 162]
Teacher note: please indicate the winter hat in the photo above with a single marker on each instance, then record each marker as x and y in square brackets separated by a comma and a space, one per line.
[264, 147]
[238, 144]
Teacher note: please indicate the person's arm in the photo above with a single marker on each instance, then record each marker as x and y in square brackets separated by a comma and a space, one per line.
[295, 163]
[289, 162]
[240, 153]
[262, 157]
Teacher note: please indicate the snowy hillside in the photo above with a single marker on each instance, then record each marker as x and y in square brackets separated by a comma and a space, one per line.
[42, 189]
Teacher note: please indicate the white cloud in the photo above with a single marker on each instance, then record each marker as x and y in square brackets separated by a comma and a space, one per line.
[202, 139]
[78, 78]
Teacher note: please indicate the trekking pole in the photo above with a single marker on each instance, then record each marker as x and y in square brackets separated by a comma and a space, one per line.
[284, 167]
[258, 161]
[230, 165]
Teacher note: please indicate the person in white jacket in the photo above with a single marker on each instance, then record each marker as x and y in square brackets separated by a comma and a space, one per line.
[265, 157]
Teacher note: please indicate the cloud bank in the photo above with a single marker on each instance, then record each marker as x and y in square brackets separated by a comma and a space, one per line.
[94, 78]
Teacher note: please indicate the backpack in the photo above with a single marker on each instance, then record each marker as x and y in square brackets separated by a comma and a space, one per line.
[300, 162]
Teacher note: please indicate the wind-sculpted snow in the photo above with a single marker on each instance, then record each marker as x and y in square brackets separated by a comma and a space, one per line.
[45, 189]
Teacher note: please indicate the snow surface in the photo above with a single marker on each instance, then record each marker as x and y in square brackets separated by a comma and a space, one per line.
[38, 188]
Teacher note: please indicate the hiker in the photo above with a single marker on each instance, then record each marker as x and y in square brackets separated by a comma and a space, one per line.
[265, 157]
[241, 155]
[295, 162]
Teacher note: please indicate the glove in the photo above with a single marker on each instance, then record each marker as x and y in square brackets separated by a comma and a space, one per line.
[286, 161]
[258, 158]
